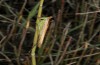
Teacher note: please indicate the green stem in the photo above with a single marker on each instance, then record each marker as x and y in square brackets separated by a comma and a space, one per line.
[36, 33]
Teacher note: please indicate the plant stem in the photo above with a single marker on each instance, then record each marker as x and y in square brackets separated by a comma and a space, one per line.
[36, 33]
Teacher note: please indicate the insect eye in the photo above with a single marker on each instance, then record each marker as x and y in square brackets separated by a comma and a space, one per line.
[42, 19]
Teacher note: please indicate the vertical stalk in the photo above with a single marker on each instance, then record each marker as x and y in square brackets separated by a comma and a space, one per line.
[36, 33]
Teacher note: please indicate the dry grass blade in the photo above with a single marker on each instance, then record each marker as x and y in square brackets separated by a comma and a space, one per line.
[65, 32]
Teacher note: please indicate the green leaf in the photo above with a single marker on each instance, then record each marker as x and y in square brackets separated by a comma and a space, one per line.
[33, 12]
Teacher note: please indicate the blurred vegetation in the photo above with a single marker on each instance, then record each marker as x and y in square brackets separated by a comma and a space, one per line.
[73, 36]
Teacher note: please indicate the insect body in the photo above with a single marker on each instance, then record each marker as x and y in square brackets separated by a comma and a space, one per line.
[42, 28]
